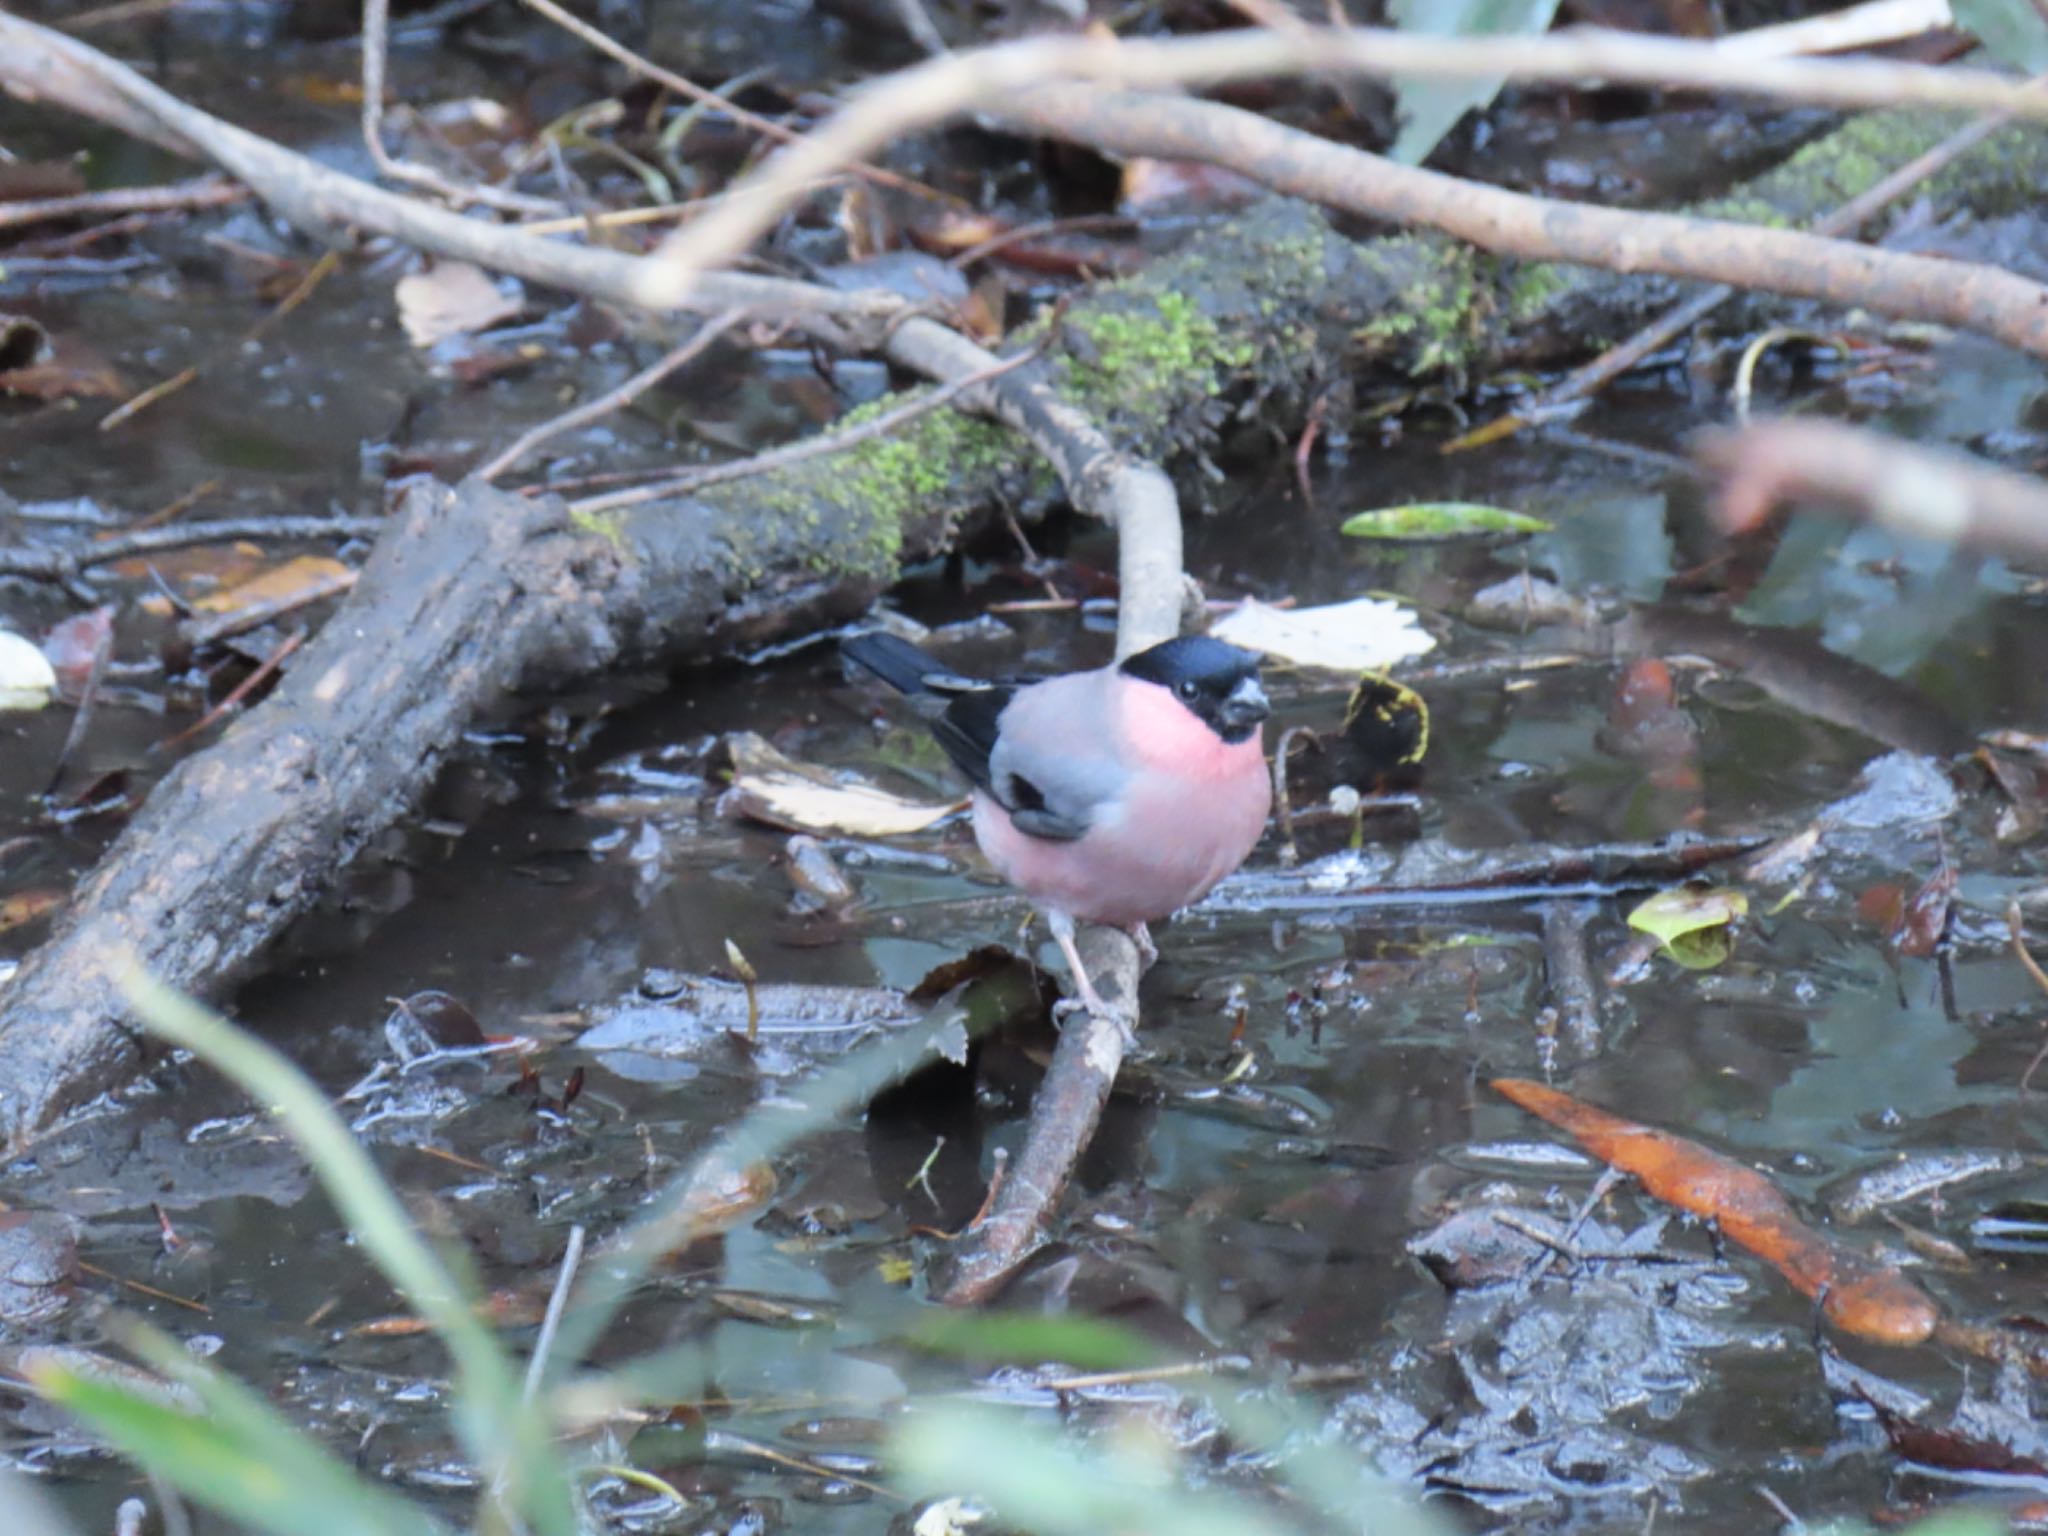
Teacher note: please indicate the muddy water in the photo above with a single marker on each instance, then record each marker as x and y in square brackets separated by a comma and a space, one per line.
[1312, 1097]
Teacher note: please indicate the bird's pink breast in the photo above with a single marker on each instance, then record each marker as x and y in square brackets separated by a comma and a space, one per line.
[1191, 810]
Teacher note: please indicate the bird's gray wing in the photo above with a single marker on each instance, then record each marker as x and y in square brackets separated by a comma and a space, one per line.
[1054, 766]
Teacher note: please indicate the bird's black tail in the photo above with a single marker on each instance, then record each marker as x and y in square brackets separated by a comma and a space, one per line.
[895, 661]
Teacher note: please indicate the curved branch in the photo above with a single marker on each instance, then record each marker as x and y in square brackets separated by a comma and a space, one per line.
[1966, 295]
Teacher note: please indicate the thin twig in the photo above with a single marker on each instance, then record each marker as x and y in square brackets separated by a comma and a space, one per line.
[1283, 799]
[142, 1289]
[810, 447]
[241, 691]
[303, 290]
[1020, 233]
[177, 196]
[200, 632]
[1661, 332]
[620, 218]
[551, 1321]
[1929, 493]
[88, 703]
[1858, 26]
[2015, 925]
[376, 16]
[917, 21]
[686, 87]
[613, 399]
[62, 565]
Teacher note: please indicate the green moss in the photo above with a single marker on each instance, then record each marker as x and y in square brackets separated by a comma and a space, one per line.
[2003, 173]
[1534, 285]
[1438, 316]
[1141, 353]
[609, 526]
[847, 513]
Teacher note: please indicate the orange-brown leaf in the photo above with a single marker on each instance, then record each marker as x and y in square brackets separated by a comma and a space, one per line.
[1857, 1294]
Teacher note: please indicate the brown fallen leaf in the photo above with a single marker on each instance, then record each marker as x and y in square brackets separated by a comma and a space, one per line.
[300, 580]
[24, 907]
[68, 368]
[508, 1307]
[1857, 1293]
[781, 792]
[453, 299]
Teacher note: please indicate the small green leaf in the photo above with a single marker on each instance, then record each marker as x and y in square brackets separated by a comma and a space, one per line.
[1692, 925]
[1086, 1343]
[1431, 107]
[1432, 521]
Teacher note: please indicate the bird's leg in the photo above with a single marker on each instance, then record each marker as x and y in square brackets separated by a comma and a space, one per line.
[1085, 995]
[1148, 952]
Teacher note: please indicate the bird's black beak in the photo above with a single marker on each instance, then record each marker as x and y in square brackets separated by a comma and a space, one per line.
[1246, 705]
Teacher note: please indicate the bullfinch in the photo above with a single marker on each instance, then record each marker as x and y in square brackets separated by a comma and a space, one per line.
[1113, 796]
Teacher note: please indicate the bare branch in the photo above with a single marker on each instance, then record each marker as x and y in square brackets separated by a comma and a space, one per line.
[612, 399]
[982, 80]
[1972, 297]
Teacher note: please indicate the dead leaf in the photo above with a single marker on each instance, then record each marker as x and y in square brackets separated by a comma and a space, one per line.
[1363, 635]
[69, 368]
[1858, 1293]
[26, 906]
[73, 644]
[1159, 187]
[453, 299]
[769, 787]
[26, 678]
[300, 580]
[204, 567]
[1691, 923]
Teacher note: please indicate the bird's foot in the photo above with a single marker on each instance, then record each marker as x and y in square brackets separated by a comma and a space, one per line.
[1124, 1018]
[1148, 952]
[1086, 999]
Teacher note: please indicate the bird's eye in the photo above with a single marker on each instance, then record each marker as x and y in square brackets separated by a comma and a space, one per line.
[1188, 688]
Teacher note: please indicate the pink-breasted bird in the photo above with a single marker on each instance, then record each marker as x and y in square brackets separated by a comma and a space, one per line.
[1114, 796]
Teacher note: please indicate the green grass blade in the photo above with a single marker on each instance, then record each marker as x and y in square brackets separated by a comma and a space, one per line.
[504, 1439]
[1039, 1482]
[241, 1457]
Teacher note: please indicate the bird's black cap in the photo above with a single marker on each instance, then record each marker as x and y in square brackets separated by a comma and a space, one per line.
[1216, 680]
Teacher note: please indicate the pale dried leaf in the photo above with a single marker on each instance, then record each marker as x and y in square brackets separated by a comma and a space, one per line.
[26, 677]
[1363, 635]
[454, 299]
[772, 788]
